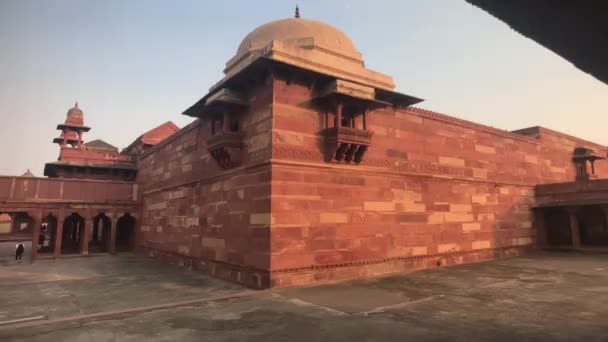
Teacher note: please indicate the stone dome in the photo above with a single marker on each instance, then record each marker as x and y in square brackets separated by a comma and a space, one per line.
[75, 116]
[297, 28]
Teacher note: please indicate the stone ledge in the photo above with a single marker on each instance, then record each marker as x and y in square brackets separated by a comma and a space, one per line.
[413, 257]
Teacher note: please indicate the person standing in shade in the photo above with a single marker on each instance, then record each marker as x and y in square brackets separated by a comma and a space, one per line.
[19, 251]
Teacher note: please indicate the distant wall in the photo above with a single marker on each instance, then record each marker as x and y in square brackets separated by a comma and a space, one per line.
[555, 162]
[35, 189]
[93, 157]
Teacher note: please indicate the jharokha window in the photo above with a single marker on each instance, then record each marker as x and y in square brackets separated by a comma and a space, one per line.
[348, 120]
[218, 125]
[346, 134]
[234, 125]
[225, 139]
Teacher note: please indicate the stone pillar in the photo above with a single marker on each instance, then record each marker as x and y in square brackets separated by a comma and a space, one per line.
[86, 236]
[113, 227]
[365, 119]
[339, 114]
[226, 123]
[574, 228]
[79, 138]
[134, 231]
[65, 138]
[36, 235]
[581, 170]
[541, 228]
[59, 234]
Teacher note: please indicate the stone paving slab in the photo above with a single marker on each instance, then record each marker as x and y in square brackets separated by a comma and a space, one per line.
[545, 297]
[66, 287]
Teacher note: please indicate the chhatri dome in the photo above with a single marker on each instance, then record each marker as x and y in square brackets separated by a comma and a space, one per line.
[75, 116]
[308, 44]
[291, 29]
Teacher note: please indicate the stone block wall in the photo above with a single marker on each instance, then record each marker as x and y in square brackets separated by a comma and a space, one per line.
[338, 219]
[431, 190]
[200, 216]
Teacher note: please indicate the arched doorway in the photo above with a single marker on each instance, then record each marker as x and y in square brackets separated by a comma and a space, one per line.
[73, 232]
[48, 234]
[125, 233]
[16, 225]
[100, 234]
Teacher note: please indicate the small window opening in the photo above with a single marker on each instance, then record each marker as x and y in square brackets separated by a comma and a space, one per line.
[234, 125]
[348, 121]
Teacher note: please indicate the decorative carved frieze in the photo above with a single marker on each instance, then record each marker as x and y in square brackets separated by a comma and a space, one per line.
[301, 154]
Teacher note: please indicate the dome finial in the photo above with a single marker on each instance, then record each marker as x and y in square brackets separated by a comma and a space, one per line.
[76, 104]
[297, 12]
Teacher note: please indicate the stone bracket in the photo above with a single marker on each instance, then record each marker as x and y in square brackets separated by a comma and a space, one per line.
[226, 148]
[346, 144]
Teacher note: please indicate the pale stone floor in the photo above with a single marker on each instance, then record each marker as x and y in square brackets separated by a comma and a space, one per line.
[542, 297]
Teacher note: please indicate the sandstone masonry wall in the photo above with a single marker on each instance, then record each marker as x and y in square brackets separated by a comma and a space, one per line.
[198, 215]
[431, 190]
[556, 149]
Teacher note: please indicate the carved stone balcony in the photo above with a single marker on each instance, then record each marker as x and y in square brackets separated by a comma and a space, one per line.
[581, 156]
[346, 144]
[225, 148]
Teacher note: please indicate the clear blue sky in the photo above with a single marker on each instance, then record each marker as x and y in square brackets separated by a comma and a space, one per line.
[135, 64]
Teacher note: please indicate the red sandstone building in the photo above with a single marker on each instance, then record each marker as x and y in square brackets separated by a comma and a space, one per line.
[303, 166]
[89, 203]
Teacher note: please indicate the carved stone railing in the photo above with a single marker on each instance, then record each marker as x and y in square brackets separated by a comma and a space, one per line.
[225, 148]
[346, 144]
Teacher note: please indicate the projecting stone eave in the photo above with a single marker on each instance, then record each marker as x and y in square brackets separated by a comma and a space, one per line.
[382, 93]
[61, 127]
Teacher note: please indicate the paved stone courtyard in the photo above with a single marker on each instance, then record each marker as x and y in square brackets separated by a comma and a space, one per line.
[559, 297]
[7, 252]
